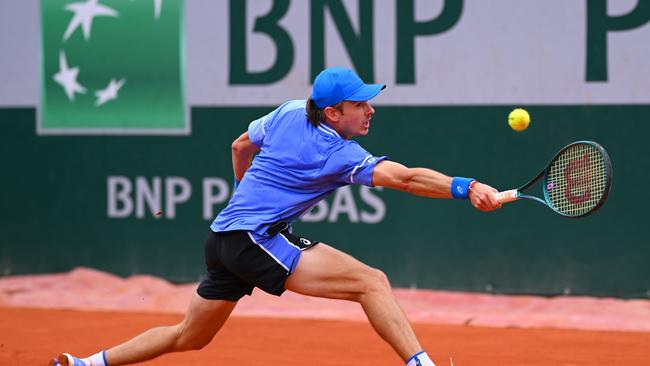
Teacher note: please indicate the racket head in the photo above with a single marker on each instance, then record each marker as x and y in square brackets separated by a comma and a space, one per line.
[578, 179]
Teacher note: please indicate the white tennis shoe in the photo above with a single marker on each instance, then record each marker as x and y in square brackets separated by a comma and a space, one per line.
[66, 359]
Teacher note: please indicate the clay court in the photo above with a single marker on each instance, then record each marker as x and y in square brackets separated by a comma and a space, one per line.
[31, 336]
[295, 330]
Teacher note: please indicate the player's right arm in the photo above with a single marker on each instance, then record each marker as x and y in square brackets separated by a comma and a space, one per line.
[243, 150]
[251, 141]
[429, 183]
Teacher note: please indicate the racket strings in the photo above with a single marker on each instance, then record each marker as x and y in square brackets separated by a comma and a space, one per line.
[577, 180]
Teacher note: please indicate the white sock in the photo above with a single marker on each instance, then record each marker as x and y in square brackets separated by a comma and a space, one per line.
[95, 360]
[420, 359]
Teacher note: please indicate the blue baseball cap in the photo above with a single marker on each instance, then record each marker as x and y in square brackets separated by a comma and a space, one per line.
[336, 84]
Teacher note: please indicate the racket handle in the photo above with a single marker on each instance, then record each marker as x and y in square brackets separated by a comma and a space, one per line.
[507, 196]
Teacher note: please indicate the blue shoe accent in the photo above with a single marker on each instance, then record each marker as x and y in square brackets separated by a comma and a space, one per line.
[74, 361]
[415, 356]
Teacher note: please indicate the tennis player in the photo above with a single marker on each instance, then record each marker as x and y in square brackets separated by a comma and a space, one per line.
[306, 151]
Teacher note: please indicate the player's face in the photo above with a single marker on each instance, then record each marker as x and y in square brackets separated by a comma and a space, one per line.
[354, 119]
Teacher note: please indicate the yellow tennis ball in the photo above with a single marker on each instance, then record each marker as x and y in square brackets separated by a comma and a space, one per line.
[519, 119]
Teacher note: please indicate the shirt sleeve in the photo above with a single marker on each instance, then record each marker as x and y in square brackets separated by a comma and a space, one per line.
[258, 129]
[352, 164]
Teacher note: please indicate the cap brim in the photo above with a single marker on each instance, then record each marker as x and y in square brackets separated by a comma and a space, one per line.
[367, 92]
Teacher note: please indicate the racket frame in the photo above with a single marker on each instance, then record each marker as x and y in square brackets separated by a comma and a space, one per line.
[515, 194]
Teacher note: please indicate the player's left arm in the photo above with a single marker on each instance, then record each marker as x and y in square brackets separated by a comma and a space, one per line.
[430, 183]
[243, 150]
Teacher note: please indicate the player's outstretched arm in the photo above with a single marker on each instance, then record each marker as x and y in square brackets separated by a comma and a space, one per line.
[430, 183]
[242, 155]
[418, 181]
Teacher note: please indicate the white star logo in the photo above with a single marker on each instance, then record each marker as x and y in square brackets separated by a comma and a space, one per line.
[84, 13]
[109, 93]
[67, 78]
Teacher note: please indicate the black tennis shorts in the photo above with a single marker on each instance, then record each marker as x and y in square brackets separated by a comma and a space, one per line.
[235, 265]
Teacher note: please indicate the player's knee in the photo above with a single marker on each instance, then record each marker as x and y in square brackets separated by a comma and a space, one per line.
[187, 340]
[376, 281]
[382, 280]
[196, 345]
[368, 282]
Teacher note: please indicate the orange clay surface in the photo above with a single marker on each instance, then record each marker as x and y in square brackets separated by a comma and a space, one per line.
[31, 336]
[101, 310]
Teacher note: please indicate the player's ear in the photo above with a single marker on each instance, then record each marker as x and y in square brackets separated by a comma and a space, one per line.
[332, 114]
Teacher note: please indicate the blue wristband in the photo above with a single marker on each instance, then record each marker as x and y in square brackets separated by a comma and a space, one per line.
[460, 187]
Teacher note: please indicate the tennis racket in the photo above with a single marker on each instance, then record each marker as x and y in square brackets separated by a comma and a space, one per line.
[575, 183]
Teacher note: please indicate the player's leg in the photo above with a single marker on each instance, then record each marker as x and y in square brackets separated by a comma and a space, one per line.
[327, 272]
[203, 320]
[215, 299]
[209, 309]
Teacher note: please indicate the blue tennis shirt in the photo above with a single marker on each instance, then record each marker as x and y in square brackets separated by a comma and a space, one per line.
[298, 165]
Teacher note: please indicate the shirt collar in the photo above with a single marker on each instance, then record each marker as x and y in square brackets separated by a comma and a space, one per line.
[324, 127]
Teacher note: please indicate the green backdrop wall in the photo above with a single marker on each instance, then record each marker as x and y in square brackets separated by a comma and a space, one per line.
[53, 200]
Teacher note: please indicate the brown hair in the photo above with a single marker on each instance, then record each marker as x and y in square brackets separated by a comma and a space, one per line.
[317, 115]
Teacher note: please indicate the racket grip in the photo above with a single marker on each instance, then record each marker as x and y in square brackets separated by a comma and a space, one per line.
[507, 196]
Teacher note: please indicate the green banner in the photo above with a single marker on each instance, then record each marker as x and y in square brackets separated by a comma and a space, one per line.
[115, 67]
[71, 201]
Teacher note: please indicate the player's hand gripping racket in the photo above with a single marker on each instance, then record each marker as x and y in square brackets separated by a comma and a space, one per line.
[575, 183]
